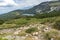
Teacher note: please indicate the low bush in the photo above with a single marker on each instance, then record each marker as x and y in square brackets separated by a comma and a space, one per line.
[57, 25]
[51, 34]
[31, 30]
[3, 39]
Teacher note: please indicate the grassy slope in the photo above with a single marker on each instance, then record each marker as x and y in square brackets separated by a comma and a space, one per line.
[26, 21]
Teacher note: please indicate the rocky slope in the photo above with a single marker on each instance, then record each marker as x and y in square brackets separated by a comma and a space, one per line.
[20, 34]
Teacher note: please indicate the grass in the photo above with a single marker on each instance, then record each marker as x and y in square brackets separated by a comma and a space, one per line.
[23, 21]
[3, 39]
[29, 38]
[51, 34]
[22, 33]
[57, 25]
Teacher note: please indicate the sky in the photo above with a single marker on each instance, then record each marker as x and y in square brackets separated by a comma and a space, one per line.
[10, 5]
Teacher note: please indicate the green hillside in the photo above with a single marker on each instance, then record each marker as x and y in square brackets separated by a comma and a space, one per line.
[26, 20]
[29, 25]
[10, 15]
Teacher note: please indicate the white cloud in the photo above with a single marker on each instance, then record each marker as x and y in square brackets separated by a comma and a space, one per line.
[7, 2]
[10, 2]
[21, 3]
[26, 3]
[17, 4]
[3, 4]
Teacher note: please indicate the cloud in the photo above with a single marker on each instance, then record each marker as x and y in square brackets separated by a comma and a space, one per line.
[26, 3]
[7, 2]
[3, 4]
[21, 3]
[11, 2]
[17, 4]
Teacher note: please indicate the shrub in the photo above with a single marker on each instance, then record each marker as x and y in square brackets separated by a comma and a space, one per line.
[47, 15]
[57, 25]
[1, 22]
[31, 30]
[51, 34]
[34, 20]
[20, 21]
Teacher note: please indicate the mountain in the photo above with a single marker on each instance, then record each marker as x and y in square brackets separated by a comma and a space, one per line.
[41, 8]
[11, 15]
[46, 6]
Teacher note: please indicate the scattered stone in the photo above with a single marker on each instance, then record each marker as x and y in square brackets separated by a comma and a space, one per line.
[17, 32]
[35, 33]
[36, 38]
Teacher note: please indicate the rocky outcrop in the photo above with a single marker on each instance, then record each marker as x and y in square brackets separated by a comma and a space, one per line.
[13, 33]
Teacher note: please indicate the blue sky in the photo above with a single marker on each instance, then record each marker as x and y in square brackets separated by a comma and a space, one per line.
[10, 5]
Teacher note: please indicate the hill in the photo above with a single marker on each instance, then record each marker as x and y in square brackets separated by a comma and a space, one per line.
[44, 7]
[31, 28]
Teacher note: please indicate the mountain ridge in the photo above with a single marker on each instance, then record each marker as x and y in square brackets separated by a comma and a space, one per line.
[44, 7]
